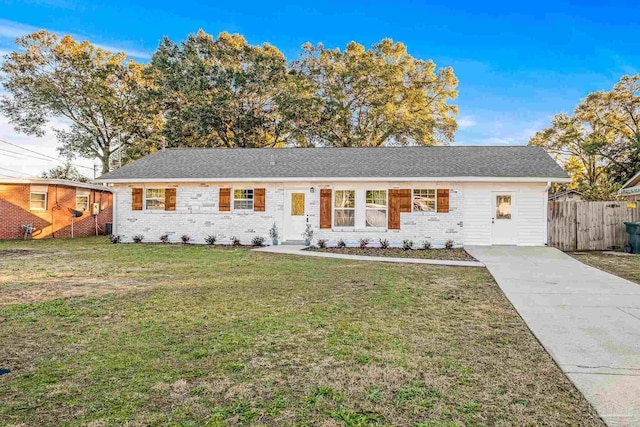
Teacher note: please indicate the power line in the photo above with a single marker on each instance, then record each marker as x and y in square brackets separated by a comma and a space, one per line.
[14, 171]
[23, 155]
[43, 155]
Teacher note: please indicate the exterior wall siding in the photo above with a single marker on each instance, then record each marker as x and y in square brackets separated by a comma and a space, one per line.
[197, 214]
[530, 212]
[55, 221]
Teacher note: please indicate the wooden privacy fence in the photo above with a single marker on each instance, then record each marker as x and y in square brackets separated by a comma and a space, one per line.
[589, 226]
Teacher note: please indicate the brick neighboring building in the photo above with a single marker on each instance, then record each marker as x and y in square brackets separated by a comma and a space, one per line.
[47, 205]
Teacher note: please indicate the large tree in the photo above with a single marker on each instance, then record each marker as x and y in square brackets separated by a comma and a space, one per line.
[221, 92]
[65, 171]
[99, 93]
[374, 97]
[599, 144]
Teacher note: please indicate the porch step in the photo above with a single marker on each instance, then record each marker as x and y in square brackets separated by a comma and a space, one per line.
[293, 242]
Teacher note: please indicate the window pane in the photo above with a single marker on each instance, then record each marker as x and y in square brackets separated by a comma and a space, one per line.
[424, 200]
[243, 194]
[376, 217]
[344, 218]
[243, 204]
[38, 201]
[82, 203]
[155, 198]
[155, 204]
[345, 199]
[155, 193]
[503, 207]
[297, 204]
[376, 199]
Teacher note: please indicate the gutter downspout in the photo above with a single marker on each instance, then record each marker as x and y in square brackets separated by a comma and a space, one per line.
[546, 213]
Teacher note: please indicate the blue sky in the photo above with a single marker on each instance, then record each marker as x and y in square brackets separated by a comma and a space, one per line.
[518, 64]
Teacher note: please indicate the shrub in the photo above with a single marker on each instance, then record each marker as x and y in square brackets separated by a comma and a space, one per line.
[115, 238]
[407, 245]
[164, 238]
[235, 241]
[341, 244]
[307, 235]
[138, 238]
[426, 245]
[185, 238]
[364, 242]
[257, 241]
[273, 232]
[322, 243]
[384, 243]
[210, 239]
[448, 244]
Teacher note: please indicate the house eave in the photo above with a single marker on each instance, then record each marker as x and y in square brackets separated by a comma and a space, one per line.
[341, 179]
[631, 181]
[54, 181]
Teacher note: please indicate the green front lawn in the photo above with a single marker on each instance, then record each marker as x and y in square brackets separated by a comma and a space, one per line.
[192, 335]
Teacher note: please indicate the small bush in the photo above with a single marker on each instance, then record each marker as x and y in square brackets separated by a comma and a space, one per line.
[307, 235]
[448, 244]
[322, 243]
[138, 238]
[210, 239]
[164, 238]
[257, 241]
[273, 232]
[407, 245]
[384, 243]
[235, 241]
[115, 238]
[341, 244]
[364, 242]
[185, 238]
[426, 245]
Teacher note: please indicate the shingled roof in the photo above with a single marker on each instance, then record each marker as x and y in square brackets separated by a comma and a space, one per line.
[202, 164]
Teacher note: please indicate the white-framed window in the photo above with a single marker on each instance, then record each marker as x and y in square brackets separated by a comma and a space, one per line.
[38, 201]
[376, 208]
[243, 199]
[154, 198]
[82, 202]
[424, 200]
[344, 208]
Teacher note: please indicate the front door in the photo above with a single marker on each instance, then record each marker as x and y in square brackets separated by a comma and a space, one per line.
[503, 224]
[296, 210]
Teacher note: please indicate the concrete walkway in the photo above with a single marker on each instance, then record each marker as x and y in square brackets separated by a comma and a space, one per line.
[300, 250]
[588, 320]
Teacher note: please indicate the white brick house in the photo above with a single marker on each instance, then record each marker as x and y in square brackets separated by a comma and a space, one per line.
[470, 195]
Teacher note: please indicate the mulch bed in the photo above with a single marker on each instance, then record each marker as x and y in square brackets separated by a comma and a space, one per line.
[442, 254]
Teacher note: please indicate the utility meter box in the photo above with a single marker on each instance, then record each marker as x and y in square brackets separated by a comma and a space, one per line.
[95, 210]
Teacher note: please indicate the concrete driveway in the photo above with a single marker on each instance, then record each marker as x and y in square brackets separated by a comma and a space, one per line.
[588, 320]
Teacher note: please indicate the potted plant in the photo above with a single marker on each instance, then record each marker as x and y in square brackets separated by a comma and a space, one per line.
[273, 234]
[307, 235]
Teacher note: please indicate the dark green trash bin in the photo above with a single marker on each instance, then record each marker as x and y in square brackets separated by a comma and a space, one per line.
[633, 229]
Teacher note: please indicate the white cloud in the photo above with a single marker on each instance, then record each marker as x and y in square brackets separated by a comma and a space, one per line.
[10, 30]
[466, 122]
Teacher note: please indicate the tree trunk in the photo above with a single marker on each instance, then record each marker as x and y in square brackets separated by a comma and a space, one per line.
[105, 159]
